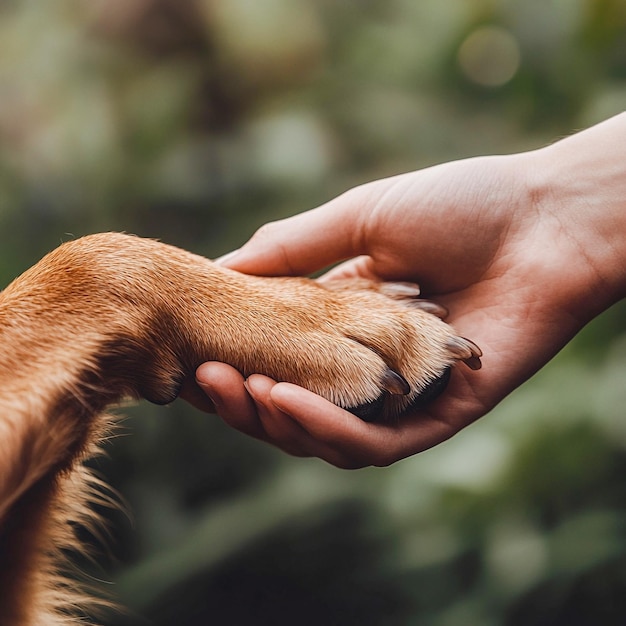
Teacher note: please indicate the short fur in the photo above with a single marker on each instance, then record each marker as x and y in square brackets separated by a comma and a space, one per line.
[113, 316]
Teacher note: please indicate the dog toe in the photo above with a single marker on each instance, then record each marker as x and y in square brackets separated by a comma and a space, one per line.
[381, 408]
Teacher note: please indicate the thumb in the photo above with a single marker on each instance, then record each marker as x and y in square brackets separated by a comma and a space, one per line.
[303, 243]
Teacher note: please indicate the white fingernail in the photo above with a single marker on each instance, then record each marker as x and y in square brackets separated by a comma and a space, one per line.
[227, 257]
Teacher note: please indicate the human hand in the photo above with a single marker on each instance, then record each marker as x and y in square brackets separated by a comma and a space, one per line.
[511, 253]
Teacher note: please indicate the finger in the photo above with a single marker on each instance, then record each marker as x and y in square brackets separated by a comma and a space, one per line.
[192, 393]
[350, 439]
[224, 385]
[281, 430]
[304, 243]
[355, 443]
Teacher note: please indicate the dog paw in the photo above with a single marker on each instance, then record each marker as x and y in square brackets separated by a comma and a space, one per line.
[408, 334]
[375, 349]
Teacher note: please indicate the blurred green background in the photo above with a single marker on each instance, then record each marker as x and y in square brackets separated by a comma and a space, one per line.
[196, 122]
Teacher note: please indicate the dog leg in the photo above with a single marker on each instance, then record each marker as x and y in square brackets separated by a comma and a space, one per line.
[112, 316]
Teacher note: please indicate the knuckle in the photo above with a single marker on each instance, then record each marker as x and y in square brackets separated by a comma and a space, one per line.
[348, 464]
[382, 458]
[384, 461]
[349, 461]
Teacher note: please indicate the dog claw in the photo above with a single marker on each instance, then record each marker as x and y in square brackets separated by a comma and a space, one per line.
[401, 290]
[465, 350]
[433, 308]
[411, 291]
[474, 363]
[395, 384]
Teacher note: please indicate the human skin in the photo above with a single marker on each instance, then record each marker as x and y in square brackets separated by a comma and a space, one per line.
[523, 250]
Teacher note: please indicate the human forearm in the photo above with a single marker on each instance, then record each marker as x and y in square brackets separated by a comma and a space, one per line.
[581, 181]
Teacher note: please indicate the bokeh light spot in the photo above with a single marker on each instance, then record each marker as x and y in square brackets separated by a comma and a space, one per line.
[489, 56]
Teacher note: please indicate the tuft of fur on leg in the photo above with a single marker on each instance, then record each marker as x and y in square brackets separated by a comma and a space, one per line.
[40, 534]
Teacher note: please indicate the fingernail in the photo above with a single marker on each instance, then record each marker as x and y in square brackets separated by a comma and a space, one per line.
[227, 257]
[253, 395]
[247, 387]
[211, 394]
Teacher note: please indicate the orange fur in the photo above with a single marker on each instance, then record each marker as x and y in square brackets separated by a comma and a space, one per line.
[112, 316]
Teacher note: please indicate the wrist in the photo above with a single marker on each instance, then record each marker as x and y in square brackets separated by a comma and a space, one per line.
[580, 182]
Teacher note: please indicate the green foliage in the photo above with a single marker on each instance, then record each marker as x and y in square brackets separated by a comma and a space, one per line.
[196, 122]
